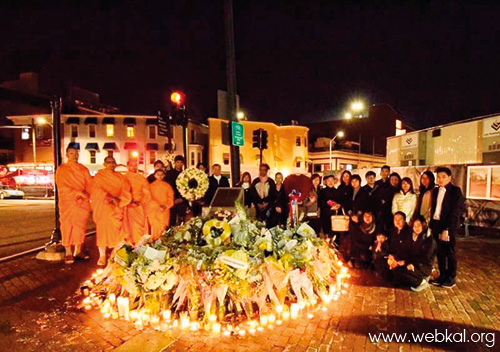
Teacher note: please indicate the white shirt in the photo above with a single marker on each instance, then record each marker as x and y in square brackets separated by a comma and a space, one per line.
[218, 178]
[439, 203]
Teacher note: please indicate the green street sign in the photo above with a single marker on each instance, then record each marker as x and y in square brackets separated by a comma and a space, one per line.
[237, 133]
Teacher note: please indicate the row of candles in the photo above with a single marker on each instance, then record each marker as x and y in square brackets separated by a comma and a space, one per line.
[115, 307]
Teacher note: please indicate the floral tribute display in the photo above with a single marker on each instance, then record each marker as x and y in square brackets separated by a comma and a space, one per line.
[192, 184]
[227, 274]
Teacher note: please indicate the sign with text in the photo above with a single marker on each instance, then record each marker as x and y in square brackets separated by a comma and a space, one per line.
[491, 127]
[163, 125]
[237, 134]
[409, 140]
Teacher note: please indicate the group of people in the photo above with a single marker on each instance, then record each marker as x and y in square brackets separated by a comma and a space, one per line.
[392, 229]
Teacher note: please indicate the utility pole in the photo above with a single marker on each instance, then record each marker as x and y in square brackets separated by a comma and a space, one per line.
[231, 86]
[33, 140]
[56, 140]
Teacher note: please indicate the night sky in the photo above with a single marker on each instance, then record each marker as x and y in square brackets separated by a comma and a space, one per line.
[304, 60]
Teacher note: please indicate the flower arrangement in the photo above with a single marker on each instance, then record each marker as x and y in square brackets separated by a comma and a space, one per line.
[192, 184]
[186, 277]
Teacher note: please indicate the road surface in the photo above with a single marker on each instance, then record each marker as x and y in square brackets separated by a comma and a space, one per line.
[26, 224]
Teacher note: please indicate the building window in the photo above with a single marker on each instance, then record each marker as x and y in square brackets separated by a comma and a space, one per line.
[74, 131]
[298, 163]
[436, 133]
[152, 157]
[192, 159]
[199, 158]
[130, 131]
[297, 141]
[110, 153]
[25, 134]
[483, 182]
[92, 156]
[91, 131]
[193, 136]
[152, 132]
[110, 130]
[305, 142]
[317, 167]
[225, 158]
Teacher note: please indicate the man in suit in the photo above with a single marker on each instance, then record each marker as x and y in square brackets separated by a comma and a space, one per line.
[215, 181]
[447, 205]
[178, 211]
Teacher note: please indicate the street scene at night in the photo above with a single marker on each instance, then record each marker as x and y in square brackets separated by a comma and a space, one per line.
[249, 176]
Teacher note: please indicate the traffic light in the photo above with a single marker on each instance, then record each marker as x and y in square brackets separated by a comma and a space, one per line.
[256, 138]
[263, 141]
[177, 98]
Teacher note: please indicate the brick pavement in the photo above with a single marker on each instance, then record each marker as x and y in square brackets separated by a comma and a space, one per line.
[37, 313]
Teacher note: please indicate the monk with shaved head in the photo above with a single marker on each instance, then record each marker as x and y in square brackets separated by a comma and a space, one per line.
[135, 221]
[110, 196]
[73, 187]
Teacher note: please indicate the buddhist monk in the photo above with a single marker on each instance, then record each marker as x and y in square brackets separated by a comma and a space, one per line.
[110, 195]
[159, 207]
[73, 185]
[135, 222]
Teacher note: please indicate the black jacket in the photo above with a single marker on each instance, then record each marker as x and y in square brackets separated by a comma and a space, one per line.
[399, 242]
[420, 253]
[372, 203]
[271, 196]
[170, 178]
[358, 203]
[360, 240]
[451, 209]
[324, 196]
[345, 196]
[213, 184]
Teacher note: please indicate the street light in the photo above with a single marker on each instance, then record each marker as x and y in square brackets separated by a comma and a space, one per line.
[339, 134]
[348, 115]
[240, 115]
[357, 106]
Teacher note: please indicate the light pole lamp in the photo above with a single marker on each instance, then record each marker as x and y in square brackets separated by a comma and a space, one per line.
[339, 134]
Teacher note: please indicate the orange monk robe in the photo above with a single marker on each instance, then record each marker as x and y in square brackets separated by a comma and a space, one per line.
[73, 186]
[135, 221]
[162, 195]
[108, 217]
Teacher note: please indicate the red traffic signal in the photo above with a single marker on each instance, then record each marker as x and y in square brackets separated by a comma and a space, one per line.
[177, 98]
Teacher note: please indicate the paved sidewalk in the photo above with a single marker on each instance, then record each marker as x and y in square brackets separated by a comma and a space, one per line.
[37, 313]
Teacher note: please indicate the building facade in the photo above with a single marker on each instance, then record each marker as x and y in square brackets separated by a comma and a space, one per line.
[121, 136]
[343, 160]
[287, 147]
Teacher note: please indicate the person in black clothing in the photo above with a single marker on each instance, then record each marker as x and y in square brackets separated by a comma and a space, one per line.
[370, 188]
[447, 206]
[362, 234]
[246, 183]
[215, 181]
[380, 252]
[386, 194]
[158, 165]
[202, 167]
[396, 250]
[263, 193]
[329, 203]
[311, 204]
[384, 176]
[345, 190]
[178, 211]
[359, 199]
[419, 251]
[279, 208]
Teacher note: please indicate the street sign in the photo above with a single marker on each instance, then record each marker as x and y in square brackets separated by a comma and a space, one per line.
[237, 134]
[163, 125]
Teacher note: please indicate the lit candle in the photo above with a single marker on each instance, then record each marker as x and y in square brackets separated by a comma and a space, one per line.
[167, 315]
[175, 323]
[260, 328]
[294, 310]
[126, 308]
[163, 326]
[279, 309]
[263, 320]
[155, 322]
[138, 324]
[195, 326]
[216, 328]
[107, 316]
[279, 322]
[212, 318]
[286, 315]
[271, 318]
[242, 332]
[251, 331]
[112, 298]
[184, 320]
[114, 314]
[339, 281]
[227, 333]
[310, 315]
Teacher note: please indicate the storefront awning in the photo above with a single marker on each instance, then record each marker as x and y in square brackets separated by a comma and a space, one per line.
[129, 121]
[108, 121]
[151, 121]
[73, 121]
[152, 146]
[131, 145]
[110, 146]
[90, 121]
[92, 146]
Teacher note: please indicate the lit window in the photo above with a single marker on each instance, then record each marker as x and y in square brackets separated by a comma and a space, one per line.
[110, 130]
[152, 132]
[91, 131]
[225, 158]
[152, 157]
[297, 141]
[25, 134]
[110, 153]
[130, 131]
[92, 156]
[74, 131]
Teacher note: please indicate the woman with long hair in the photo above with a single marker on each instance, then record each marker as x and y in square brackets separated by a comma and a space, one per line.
[345, 190]
[279, 209]
[424, 203]
[311, 205]
[362, 236]
[245, 183]
[405, 200]
[417, 264]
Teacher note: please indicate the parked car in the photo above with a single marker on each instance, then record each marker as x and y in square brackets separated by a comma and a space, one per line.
[10, 192]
